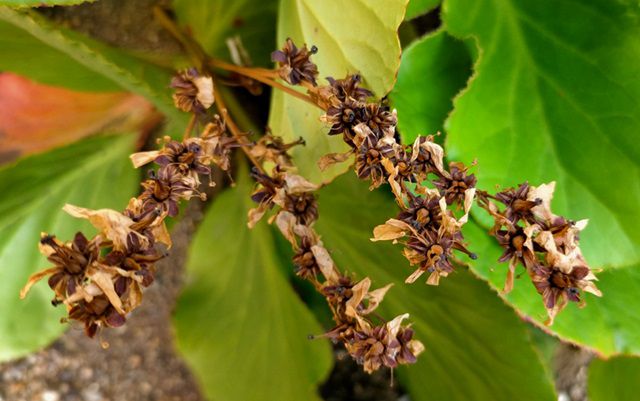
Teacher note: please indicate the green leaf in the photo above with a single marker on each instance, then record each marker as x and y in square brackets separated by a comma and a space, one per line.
[93, 173]
[470, 335]
[352, 36]
[239, 323]
[432, 71]
[609, 324]
[41, 3]
[615, 379]
[417, 8]
[550, 100]
[212, 22]
[36, 48]
[555, 99]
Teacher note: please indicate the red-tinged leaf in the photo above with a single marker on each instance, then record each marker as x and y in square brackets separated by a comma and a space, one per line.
[36, 117]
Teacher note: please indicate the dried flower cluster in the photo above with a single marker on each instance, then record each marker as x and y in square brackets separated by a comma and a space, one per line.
[435, 201]
[100, 280]
[101, 290]
[388, 344]
[545, 244]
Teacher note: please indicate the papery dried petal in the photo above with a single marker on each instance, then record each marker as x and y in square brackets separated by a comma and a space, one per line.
[114, 225]
[330, 159]
[139, 159]
[325, 262]
[104, 281]
[542, 194]
[34, 278]
[393, 229]
[359, 291]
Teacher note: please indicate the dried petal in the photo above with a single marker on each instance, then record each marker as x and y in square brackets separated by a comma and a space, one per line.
[141, 158]
[325, 262]
[114, 225]
[391, 230]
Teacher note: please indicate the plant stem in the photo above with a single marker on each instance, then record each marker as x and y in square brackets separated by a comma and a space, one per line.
[248, 71]
[261, 75]
[189, 129]
[201, 60]
[194, 50]
[235, 131]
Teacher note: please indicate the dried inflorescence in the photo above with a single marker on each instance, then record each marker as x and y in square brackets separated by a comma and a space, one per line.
[101, 280]
[373, 346]
[193, 91]
[545, 244]
[295, 65]
[435, 201]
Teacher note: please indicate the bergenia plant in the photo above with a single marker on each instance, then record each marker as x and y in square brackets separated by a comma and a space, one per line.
[468, 201]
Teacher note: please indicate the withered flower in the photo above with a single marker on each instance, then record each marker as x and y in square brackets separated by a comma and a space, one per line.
[304, 206]
[343, 117]
[266, 190]
[295, 64]
[95, 314]
[70, 261]
[165, 188]
[270, 148]
[339, 291]
[557, 287]
[304, 261]
[370, 153]
[217, 145]
[188, 156]
[422, 212]
[409, 347]
[296, 197]
[387, 345]
[453, 188]
[349, 88]
[427, 156]
[373, 348]
[379, 118]
[432, 252]
[518, 248]
[194, 92]
[518, 206]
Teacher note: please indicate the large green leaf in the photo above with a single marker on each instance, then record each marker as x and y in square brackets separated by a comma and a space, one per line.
[239, 323]
[476, 347]
[34, 47]
[555, 99]
[551, 99]
[212, 22]
[616, 379]
[433, 69]
[352, 36]
[609, 324]
[93, 173]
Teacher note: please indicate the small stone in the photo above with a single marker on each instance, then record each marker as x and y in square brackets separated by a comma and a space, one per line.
[86, 373]
[92, 393]
[50, 395]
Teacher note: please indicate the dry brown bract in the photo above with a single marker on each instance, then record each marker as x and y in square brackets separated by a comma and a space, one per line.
[194, 92]
[295, 64]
